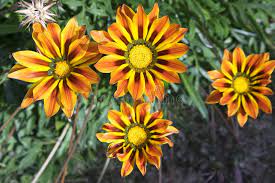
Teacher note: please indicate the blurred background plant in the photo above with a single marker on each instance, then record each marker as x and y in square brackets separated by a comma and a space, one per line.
[210, 147]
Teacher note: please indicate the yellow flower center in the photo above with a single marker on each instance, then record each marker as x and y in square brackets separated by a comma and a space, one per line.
[140, 56]
[137, 135]
[62, 68]
[241, 84]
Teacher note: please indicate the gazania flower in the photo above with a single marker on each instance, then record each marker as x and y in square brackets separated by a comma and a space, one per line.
[136, 136]
[60, 69]
[142, 51]
[36, 12]
[241, 84]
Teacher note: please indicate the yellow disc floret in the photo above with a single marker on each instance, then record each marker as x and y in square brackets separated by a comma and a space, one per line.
[140, 56]
[241, 84]
[137, 135]
[62, 69]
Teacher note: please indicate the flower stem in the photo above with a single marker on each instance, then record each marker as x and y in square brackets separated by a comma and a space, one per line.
[55, 148]
[104, 170]
[10, 119]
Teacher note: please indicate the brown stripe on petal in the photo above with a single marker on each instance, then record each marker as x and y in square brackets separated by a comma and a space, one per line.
[214, 97]
[115, 118]
[119, 74]
[110, 128]
[110, 48]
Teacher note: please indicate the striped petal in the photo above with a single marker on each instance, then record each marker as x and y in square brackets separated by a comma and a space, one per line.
[153, 117]
[141, 161]
[154, 14]
[121, 73]
[136, 85]
[250, 105]
[157, 29]
[142, 110]
[228, 96]
[55, 33]
[118, 119]
[119, 35]
[215, 74]
[127, 110]
[242, 117]
[227, 68]
[28, 99]
[262, 90]
[111, 48]
[128, 166]
[88, 73]
[68, 35]
[172, 65]
[173, 34]
[110, 137]
[77, 50]
[67, 98]
[28, 75]
[214, 97]
[153, 150]
[45, 88]
[51, 105]
[32, 60]
[153, 160]
[91, 56]
[101, 36]
[159, 89]
[234, 106]
[50, 48]
[221, 84]
[78, 83]
[227, 55]
[110, 128]
[109, 63]
[238, 59]
[263, 102]
[113, 149]
[141, 22]
[122, 88]
[175, 51]
[168, 76]
[150, 87]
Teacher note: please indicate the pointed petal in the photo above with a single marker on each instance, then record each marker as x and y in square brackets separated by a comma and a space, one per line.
[142, 110]
[32, 60]
[88, 73]
[51, 105]
[214, 97]
[78, 83]
[250, 105]
[101, 36]
[172, 65]
[45, 88]
[109, 63]
[67, 98]
[121, 88]
[121, 73]
[136, 85]
[263, 102]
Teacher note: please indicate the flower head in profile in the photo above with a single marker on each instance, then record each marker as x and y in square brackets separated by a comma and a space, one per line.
[36, 12]
[135, 136]
[59, 69]
[142, 51]
[241, 84]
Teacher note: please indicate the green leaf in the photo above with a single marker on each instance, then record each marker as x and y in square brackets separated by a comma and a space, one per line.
[195, 96]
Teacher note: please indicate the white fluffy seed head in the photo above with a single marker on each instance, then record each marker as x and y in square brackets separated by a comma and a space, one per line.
[36, 11]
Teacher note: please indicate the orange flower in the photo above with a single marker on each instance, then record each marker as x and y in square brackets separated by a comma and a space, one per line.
[241, 84]
[142, 51]
[60, 69]
[136, 136]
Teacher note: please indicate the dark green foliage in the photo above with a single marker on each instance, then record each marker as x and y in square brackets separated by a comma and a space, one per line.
[205, 150]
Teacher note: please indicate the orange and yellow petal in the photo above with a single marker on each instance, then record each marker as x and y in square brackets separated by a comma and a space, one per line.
[32, 60]
[51, 105]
